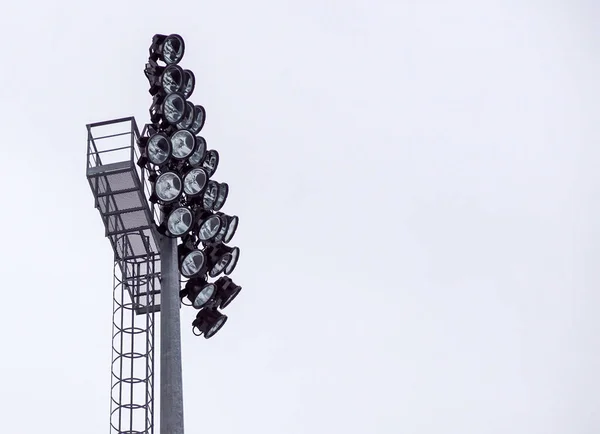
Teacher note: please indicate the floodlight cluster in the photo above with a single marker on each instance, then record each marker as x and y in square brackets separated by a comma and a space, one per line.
[180, 169]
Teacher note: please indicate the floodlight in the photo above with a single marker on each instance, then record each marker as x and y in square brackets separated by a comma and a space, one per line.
[188, 116]
[198, 156]
[230, 225]
[208, 322]
[159, 149]
[163, 79]
[221, 258]
[168, 187]
[199, 291]
[169, 48]
[171, 79]
[210, 195]
[173, 108]
[211, 162]
[200, 117]
[208, 225]
[179, 222]
[189, 83]
[192, 262]
[183, 143]
[194, 182]
[222, 193]
[226, 291]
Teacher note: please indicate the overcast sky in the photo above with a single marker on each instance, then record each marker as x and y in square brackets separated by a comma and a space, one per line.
[417, 188]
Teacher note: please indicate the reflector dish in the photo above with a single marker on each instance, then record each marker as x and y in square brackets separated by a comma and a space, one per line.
[172, 49]
[192, 263]
[198, 155]
[173, 108]
[189, 83]
[179, 221]
[159, 149]
[168, 186]
[182, 143]
[194, 182]
[204, 295]
[200, 117]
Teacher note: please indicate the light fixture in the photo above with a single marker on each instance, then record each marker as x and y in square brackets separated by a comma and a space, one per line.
[210, 195]
[221, 258]
[172, 79]
[226, 291]
[189, 83]
[165, 80]
[210, 162]
[173, 108]
[169, 49]
[230, 226]
[168, 187]
[200, 117]
[208, 322]
[208, 225]
[191, 262]
[158, 149]
[179, 221]
[196, 158]
[222, 193]
[188, 116]
[194, 182]
[183, 142]
[199, 291]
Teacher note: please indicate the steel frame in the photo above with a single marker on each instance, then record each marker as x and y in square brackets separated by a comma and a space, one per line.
[121, 192]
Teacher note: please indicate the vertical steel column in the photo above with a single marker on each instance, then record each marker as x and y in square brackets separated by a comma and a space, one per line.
[171, 390]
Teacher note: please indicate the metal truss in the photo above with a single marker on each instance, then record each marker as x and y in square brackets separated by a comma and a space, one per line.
[121, 193]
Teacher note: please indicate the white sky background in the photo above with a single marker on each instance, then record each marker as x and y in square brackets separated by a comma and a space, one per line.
[417, 189]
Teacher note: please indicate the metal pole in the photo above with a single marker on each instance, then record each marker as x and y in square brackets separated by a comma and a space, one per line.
[171, 391]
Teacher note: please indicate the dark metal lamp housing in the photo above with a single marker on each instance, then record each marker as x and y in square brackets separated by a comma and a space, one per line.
[167, 48]
[208, 322]
[221, 258]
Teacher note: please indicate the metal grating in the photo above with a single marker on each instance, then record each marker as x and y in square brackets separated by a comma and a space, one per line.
[121, 196]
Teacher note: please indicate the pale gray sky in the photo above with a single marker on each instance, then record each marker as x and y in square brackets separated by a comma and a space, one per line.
[417, 188]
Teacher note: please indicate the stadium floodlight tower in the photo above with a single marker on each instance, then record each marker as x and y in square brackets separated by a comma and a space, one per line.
[153, 189]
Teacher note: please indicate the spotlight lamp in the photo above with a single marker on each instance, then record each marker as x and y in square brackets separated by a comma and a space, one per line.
[194, 182]
[188, 116]
[210, 195]
[199, 153]
[199, 292]
[183, 143]
[227, 231]
[208, 322]
[167, 109]
[189, 81]
[228, 228]
[199, 118]
[178, 222]
[215, 195]
[191, 262]
[165, 80]
[210, 162]
[208, 225]
[169, 49]
[221, 258]
[168, 187]
[222, 193]
[226, 291]
[158, 149]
